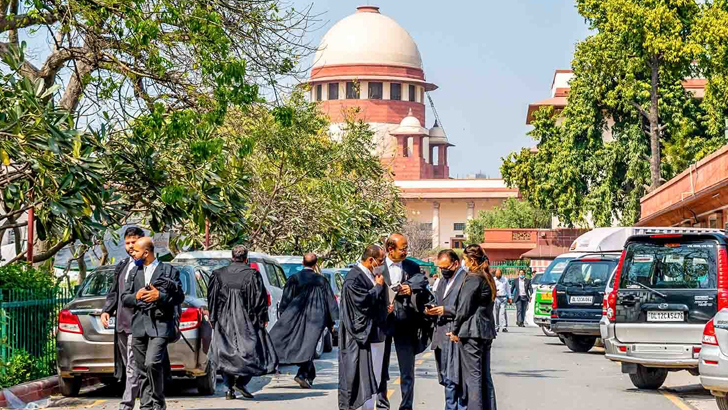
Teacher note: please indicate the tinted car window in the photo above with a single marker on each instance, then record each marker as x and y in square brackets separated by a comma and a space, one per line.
[537, 279]
[270, 272]
[97, 284]
[690, 265]
[587, 273]
[554, 271]
[291, 268]
[282, 278]
[201, 280]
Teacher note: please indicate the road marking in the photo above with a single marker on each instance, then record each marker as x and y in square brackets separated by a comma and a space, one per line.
[676, 400]
[398, 381]
[96, 403]
[390, 393]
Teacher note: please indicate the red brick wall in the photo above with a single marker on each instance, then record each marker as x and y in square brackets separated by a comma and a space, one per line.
[381, 111]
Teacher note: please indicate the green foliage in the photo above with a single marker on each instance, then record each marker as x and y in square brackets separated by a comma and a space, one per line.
[21, 368]
[582, 176]
[513, 213]
[26, 277]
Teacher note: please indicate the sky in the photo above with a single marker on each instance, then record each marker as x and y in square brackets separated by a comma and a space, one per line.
[490, 59]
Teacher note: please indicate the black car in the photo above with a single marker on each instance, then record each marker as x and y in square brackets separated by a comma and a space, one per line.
[577, 300]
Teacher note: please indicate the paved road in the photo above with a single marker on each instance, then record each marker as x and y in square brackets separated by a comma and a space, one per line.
[531, 372]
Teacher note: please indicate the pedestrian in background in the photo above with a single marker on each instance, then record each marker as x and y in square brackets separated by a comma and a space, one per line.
[503, 298]
[238, 303]
[447, 354]
[154, 294]
[113, 307]
[522, 292]
[474, 329]
[308, 306]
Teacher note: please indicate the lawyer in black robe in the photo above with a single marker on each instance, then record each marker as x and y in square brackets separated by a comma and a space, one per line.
[241, 346]
[308, 306]
[363, 315]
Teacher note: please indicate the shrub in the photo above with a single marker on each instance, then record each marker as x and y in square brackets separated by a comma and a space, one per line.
[21, 368]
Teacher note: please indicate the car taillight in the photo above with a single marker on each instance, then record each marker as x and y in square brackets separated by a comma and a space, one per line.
[554, 302]
[722, 278]
[68, 322]
[605, 302]
[666, 235]
[255, 266]
[191, 318]
[269, 300]
[709, 334]
[610, 309]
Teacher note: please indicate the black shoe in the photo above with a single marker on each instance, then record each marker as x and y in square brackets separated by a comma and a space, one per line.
[230, 395]
[244, 392]
[505, 330]
[302, 382]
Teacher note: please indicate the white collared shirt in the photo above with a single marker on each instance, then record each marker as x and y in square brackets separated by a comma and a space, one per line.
[502, 286]
[149, 271]
[395, 271]
[522, 287]
[452, 280]
[368, 273]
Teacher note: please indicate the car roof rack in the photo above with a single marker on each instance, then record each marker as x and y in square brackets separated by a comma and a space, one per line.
[651, 230]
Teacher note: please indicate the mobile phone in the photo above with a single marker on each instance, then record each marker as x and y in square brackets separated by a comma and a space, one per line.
[396, 287]
[148, 287]
[430, 306]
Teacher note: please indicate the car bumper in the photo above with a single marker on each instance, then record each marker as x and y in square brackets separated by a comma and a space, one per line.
[576, 328]
[714, 369]
[606, 329]
[669, 356]
[542, 320]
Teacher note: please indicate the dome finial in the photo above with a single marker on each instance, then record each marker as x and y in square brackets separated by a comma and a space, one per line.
[409, 114]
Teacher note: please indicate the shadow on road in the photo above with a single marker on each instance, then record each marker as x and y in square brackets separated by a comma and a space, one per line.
[537, 374]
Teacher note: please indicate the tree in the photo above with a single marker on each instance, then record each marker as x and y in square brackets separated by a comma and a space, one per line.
[419, 238]
[627, 85]
[513, 213]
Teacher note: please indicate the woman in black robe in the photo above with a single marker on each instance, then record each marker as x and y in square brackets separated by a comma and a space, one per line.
[474, 329]
[238, 303]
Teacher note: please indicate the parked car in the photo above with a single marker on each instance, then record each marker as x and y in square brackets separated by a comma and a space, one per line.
[577, 300]
[272, 273]
[290, 264]
[543, 293]
[336, 280]
[713, 363]
[85, 348]
[668, 287]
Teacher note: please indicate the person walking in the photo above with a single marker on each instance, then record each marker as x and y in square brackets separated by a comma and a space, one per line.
[502, 299]
[153, 293]
[447, 354]
[238, 303]
[474, 330]
[406, 326]
[308, 306]
[113, 307]
[361, 331]
[521, 296]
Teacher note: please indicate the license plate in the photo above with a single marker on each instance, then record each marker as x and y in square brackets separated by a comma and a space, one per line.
[546, 296]
[586, 300]
[665, 316]
[112, 323]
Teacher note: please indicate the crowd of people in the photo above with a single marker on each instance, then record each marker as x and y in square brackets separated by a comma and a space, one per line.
[386, 302]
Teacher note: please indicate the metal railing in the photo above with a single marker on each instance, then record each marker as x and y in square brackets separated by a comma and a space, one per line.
[28, 323]
[510, 268]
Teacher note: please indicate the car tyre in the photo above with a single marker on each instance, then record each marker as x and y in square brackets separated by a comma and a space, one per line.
[580, 344]
[722, 402]
[562, 339]
[648, 378]
[207, 384]
[548, 332]
[328, 341]
[70, 386]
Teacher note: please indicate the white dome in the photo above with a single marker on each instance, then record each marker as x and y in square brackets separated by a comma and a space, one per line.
[437, 135]
[410, 121]
[410, 125]
[367, 37]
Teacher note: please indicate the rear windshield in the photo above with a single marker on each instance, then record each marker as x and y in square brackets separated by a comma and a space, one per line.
[291, 268]
[588, 273]
[99, 283]
[554, 271]
[688, 265]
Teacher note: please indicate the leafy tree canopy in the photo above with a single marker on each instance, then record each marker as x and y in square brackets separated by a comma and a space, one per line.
[513, 213]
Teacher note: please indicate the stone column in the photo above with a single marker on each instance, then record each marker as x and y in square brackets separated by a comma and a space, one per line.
[435, 225]
[471, 210]
[417, 147]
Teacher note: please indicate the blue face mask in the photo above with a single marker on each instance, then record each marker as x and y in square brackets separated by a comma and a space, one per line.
[139, 262]
[521, 276]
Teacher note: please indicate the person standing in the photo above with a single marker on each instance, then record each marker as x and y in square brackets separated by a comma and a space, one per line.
[406, 325]
[474, 329]
[361, 331]
[238, 303]
[154, 293]
[521, 296]
[123, 353]
[501, 301]
[447, 354]
[308, 306]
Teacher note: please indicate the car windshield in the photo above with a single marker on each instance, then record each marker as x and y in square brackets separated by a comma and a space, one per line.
[99, 284]
[206, 264]
[554, 271]
[688, 265]
[291, 268]
[588, 273]
[537, 279]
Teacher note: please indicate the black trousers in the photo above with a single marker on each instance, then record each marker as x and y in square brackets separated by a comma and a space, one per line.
[307, 371]
[475, 359]
[150, 354]
[521, 308]
[231, 380]
[404, 345]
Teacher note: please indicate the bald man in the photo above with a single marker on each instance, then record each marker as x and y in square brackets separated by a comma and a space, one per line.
[154, 293]
[307, 308]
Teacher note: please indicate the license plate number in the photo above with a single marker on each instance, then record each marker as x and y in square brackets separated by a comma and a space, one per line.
[665, 316]
[112, 322]
[587, 300]
[546, 296]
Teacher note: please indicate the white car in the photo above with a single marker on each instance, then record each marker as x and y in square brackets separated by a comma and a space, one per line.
[273, 276]
[713, 362]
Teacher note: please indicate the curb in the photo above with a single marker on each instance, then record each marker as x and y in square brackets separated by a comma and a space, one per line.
[39, 389]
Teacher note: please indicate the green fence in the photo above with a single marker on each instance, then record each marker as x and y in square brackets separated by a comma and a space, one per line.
[510, 268]
[28, 322]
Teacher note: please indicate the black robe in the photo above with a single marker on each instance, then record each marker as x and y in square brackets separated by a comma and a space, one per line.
[308, 307]
[363, 317]
[238, 304]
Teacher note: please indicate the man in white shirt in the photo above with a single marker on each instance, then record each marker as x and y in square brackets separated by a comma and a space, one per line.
[502, 299]
[521, 296]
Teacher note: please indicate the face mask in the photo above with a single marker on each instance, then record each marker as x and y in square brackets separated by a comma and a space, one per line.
[521, 276]
[447, 273]
[139, 262]
[378, 270]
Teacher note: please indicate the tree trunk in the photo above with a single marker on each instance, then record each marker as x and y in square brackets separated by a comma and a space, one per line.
[654, 120]
[104, 253]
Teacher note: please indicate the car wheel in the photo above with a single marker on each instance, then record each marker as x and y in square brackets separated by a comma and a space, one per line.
[599, 342]
[69, 386]
[207, 384]
[722, 402]
[548, 332]
[328, 342]
[580, 344]
[647, 378]
[562, 338]
[319, 348]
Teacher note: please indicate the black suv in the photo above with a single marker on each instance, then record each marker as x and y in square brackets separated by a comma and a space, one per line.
[577, 300]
